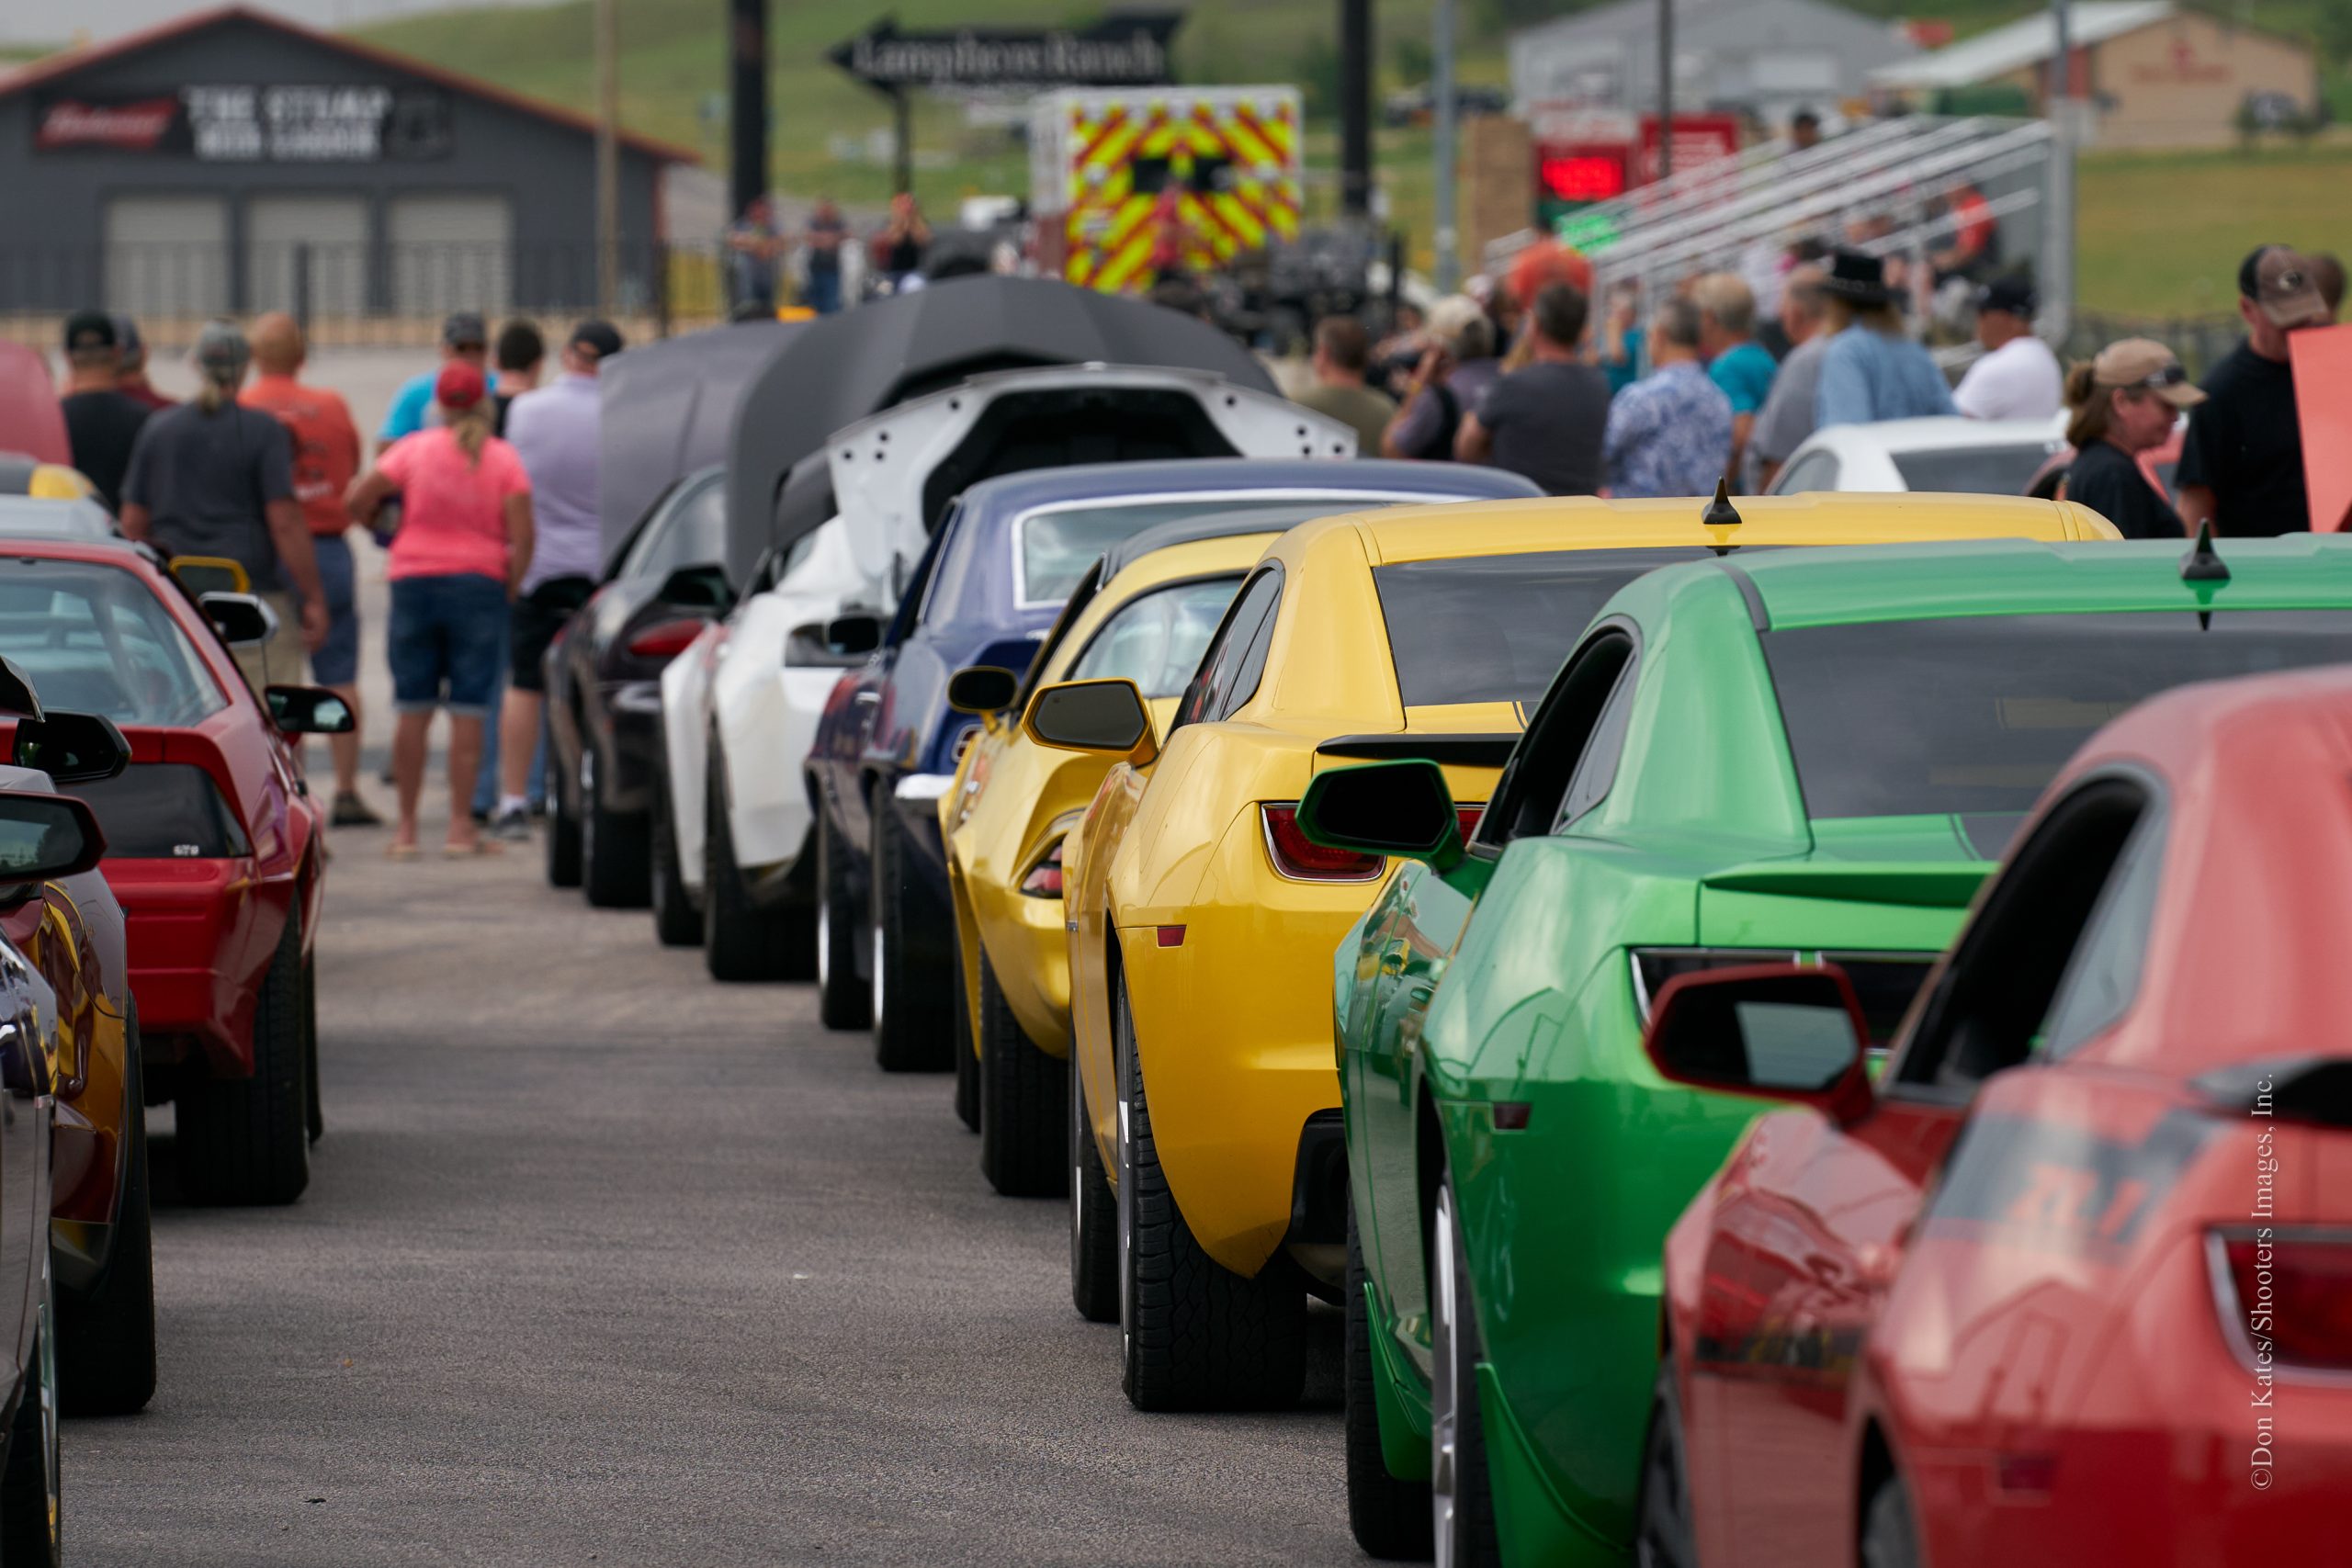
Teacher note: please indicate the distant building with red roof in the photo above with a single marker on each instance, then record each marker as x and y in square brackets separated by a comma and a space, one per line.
[232, 159]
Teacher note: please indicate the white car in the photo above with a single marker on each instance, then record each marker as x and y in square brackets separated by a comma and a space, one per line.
[740, 704]
[1975, 456]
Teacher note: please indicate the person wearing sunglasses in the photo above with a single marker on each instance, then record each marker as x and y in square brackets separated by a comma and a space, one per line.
[2122, 403]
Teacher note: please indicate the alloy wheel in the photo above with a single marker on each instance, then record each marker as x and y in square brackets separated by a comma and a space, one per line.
[587, 807]
[1446, 1370]
[1123, 1043]
[881, 959]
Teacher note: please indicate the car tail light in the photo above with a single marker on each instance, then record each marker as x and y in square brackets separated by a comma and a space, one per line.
[164, 811]
[2286, 1295]
[1468, 817]
[665, 640]
[1298, 858]
[1044, 878]
[1885, 981]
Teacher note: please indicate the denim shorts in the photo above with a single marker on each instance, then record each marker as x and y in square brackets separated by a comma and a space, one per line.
[447, 643]
[336, 660]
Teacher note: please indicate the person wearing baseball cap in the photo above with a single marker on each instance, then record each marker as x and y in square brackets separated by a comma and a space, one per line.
[457, 563]
[2017, 378]
[213, 478]
[2124, 403]
[102, 423]
[464, 339]
[2242, 463]
[132, 378]
[554, 431]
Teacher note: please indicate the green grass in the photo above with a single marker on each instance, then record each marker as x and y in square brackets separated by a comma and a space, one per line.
[2162, 235]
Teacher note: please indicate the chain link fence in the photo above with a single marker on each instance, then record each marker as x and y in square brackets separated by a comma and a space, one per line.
[354, 294]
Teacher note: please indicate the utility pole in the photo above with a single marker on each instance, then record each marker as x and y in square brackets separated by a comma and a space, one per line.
[1355, 108]
[608, 156]
[1449, 244]
[1665, 89]
[2057, 312]
[902, 155]
[746, 104]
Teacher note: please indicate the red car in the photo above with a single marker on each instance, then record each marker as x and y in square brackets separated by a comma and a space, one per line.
[214, 845]
[2070, 1281]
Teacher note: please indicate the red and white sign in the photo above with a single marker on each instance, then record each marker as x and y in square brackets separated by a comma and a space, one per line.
[136, 126]
[1699, 140]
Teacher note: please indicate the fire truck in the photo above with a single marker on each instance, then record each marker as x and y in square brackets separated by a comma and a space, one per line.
[1128, 185]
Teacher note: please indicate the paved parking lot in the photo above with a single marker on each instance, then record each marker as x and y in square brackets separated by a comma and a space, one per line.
[604, 1262]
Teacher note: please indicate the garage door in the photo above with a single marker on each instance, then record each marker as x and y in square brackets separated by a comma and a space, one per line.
[450, 253]
[324, 235]
[167, 255]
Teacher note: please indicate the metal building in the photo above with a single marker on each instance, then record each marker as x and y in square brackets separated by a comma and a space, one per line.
[1765, 56]
[235, 161]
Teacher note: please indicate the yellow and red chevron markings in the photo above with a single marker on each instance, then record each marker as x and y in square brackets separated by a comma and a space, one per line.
[1236, 167]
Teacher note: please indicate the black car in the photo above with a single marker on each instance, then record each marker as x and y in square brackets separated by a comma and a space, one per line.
[604, 689]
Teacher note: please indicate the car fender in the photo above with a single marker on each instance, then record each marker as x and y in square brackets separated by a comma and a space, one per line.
[685, 730]
[764, 716]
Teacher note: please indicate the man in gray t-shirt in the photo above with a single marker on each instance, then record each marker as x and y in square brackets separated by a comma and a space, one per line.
[1786, 418]
[1545, 421]
[210, 477]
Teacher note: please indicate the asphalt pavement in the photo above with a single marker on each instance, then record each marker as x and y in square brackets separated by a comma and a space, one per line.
[604, 1262]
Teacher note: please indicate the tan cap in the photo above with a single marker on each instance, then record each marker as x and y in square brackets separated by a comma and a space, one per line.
[2143, 362]
[2283, 286]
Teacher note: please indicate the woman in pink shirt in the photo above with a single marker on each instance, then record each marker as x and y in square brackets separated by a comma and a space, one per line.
[463, 546]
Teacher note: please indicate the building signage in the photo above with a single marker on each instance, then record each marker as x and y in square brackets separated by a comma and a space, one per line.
[235, 123]
[1129, 51]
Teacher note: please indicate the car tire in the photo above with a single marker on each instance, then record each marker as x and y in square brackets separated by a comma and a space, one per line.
[247, 1140]
[1195, 1334]
[1093, 1215]
[967, 1061]
[106, 1336]
[616, 855]
[562, 835]
[1022, 1102]
[913, 1032]
[676, 922]
[843, 1001]
[315, 1114]
[1665, 1537]
[1389, 1517]
[1890, 1538]
[742, 939]
[32, 1495]
[1462, 1504]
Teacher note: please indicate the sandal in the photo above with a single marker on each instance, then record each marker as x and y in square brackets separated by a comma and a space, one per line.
[480, 847]
[401, 852]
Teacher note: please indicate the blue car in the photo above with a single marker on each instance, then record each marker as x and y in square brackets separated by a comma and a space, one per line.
[986, 592]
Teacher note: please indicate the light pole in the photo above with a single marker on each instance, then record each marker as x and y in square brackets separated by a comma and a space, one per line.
[608, 156]
[1664, 88]
[2058, 238]
[1442, 86]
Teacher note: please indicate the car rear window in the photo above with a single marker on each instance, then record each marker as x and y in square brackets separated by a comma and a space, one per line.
[95, 639]
[1973, 716]
[1974, 470]
[1054, 549]
[1495, 628]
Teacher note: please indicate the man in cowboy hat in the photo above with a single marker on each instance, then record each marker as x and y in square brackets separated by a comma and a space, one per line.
[1870, 370]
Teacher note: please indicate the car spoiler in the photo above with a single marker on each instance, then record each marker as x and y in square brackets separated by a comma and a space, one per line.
[1468, 751]
[1927, 884]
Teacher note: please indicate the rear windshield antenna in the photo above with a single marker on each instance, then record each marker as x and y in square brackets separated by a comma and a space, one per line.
[1721, 514]
[2202, 565]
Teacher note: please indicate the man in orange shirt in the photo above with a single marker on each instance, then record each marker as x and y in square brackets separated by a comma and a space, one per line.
[326, 456]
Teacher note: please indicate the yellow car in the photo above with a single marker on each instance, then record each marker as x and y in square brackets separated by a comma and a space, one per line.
[1211, 1188]
[1142, 614]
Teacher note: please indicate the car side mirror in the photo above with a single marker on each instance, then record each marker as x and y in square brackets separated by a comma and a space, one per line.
[983, 688]
[1781, 1031]
[853, 633]
[71, 748]
[309, 710]
[1385, 808]
[1092, 715]
[702, 587]
[242, 619]
[16, 694]
[43, 838]
[201, 575]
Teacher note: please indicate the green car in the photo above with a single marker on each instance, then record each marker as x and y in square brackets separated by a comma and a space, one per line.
[1816, 753]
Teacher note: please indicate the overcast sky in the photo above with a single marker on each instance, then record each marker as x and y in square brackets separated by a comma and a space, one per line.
[98, 20]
